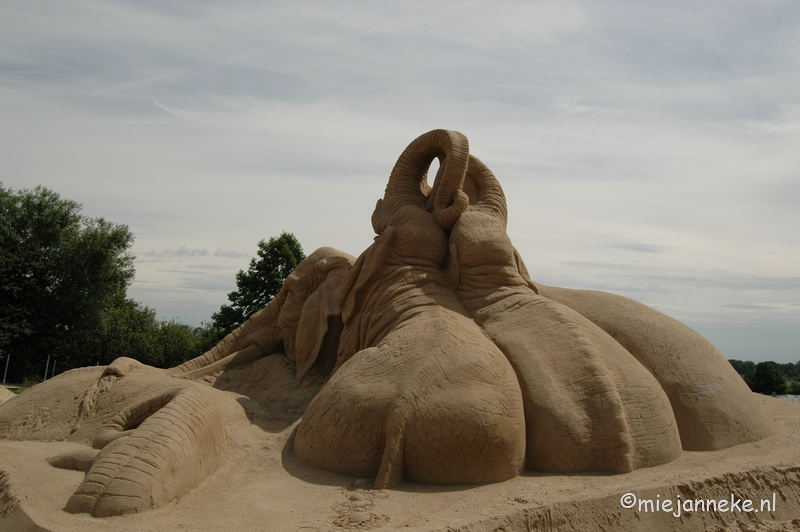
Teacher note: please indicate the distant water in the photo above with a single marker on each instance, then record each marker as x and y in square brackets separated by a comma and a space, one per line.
[789, 397]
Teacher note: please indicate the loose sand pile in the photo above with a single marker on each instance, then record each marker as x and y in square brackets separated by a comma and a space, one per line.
[5, 394]
[261, 485]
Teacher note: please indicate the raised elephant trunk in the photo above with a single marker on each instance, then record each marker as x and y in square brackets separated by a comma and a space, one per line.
[489, 197]
[407, 179]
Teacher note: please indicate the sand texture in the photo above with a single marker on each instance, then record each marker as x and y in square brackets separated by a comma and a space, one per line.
[262, 486]
[5, 394]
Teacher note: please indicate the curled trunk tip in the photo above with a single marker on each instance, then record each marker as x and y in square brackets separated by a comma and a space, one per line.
[407, 184]
[489, 194]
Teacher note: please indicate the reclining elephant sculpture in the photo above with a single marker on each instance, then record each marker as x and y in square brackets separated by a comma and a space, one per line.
[442, 362]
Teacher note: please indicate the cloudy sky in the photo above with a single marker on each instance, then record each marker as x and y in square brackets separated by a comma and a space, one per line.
[650, 149]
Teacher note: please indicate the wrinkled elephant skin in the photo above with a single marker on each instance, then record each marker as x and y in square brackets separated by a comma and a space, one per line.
[167, 439]
[713, 406]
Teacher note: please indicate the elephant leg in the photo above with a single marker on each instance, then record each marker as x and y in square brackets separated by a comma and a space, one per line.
[465, 436]
[712, 405]
[151, 453]
[589, 405]
[342, 429]
[436, 402]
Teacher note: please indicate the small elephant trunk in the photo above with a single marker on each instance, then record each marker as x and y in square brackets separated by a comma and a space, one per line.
[489, 194]
[407, 181]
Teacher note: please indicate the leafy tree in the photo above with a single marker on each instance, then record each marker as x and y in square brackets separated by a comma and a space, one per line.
[128, 330]
[63, 282]
[208, 335]
[60, 273]
[790, 371]
[768, 379]
[132, 330]
[745, 368]
[262, 281]
[177, 343]
[770, 376]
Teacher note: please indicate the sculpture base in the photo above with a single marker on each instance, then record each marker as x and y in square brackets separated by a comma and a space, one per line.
[261, 486]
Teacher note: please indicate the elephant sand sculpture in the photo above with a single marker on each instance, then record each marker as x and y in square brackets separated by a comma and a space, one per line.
[433, 357]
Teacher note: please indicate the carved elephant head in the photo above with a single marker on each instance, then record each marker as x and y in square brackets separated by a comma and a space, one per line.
[303, 320]
[410, 222]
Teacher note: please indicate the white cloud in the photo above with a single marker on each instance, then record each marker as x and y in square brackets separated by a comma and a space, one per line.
[184, 251]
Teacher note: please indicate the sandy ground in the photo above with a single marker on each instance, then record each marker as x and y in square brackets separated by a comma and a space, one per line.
[261, 486]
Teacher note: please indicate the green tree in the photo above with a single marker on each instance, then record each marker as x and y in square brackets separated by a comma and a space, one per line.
[745, 368]
[60, 273]
[128, 330]
[177, 343]
[790, 371]
[767, 379]
[208, 335]
[262, 281]
[132, 330]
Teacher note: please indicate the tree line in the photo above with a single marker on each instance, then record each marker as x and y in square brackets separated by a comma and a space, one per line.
[63, 292]
[769, 378]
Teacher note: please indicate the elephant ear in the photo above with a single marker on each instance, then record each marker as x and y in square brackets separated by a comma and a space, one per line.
[316, 331]
[523, 271]
[363, 271]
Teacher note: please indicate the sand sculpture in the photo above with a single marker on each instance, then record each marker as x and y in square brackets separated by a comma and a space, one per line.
[442, 362]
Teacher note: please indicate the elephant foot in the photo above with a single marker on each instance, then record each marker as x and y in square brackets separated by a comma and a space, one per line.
[152, 452]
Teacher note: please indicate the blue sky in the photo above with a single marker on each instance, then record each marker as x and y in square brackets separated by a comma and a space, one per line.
[648, 150]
